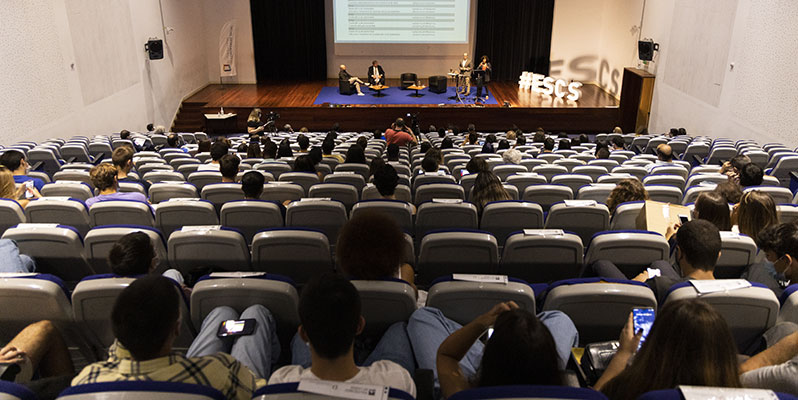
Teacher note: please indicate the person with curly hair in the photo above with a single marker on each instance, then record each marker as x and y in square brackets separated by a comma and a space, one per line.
[626, 190]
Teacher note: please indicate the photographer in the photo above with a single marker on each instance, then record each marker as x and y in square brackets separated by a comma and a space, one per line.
[400, 134]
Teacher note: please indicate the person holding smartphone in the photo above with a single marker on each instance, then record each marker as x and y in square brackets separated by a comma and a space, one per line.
[22, 193]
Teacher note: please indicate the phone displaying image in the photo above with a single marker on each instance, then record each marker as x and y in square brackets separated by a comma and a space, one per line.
[28, 189]
[236, 327]
[642, 318]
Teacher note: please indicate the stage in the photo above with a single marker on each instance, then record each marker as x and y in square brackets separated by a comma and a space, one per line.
[597, 111]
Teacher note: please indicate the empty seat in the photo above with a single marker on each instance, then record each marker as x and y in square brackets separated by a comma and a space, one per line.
[546, 195]
[696, 179]
[550, 170]
[93, 300]
[440, 215]
[208, 246]
[450, 252]
[738, 251]
[294, 252]
[501, 218]
[719, 155]
[348, 195]
[503, 171]
[666, 180]
[276, 293]
[542, 255]
[141, 390]
[625, 215]
[50, 210]
[522, 180]
[163, 191]
[11, 213]
[251, 216]
[385, 302]
[599, 307]
[631, 251]
[787, 212]
[573, 181]
[584, 220]
[73, 176]
[431, 191]
[593, 171]
[57, 249]
[598, 192]
[328, 216]
[282, 191]
[201, 178]
[664, 193]
[783, 167]
[115, 212]
[749, 312]
[75, 190]
[360, 169]
[635, 171]
[99, 241]
[304, 179]
[173, 214]
[400, 211]
[463, 301]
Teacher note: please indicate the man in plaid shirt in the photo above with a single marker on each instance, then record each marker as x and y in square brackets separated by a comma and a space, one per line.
[146, 321]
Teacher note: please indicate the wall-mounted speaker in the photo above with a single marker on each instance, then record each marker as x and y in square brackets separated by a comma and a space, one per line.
[646, 49]
[154, 48]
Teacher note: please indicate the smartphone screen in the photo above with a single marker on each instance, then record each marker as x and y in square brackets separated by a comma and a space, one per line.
[28, 189]
[642, 318]
[683, 219]
[236, 327]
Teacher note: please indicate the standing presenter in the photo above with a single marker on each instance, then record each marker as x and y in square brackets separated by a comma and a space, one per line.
[465, 74]
[482, 75]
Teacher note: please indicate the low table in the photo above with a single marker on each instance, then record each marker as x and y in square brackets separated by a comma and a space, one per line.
[378, 89]
[416, 88]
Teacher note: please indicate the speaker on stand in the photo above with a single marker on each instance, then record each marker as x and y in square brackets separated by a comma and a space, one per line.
[154, 48]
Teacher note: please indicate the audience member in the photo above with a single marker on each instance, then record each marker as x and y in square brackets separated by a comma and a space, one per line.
[146, 320]
[689, 344]
[503, 145]
[487, 188]
[520, 141]
[252, 184]
[228, 166]
[218, 150]
[755, 212]
[521, 351]
[730, 191]
[327, 147]
[539, 137]
[133, 255]
[284, 150]
[204, 146]
[602, 154]
[664, 157]
[751, 175]
[305, 164]
[712, 207]
[697, 251]
[425, 146]
[779, 243]
[362, 141]
[471, 140]
[775, 368]
[355, 155]
[477, 165]
[626, 190]
[375, 164]
[564, 144]
[103, 177]
[15, 162]
[512, 156]
[40, 351]
[548, 145]
[400, 134]
[583, 139]
[618, 143]
[303, 143]
[242, 148]
[22, 194]
[173, 140]
[447, 143]
[393, 152]
[733, 167]
[122, 158]
[488, 148]
[316, 155]
[254, 151]
[429, 164]
[324, 347]
[269, 151]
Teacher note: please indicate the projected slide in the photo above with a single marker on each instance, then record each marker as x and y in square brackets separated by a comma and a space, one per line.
[401, 21]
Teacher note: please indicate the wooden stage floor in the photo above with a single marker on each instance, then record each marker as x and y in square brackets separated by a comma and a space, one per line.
[596, 111]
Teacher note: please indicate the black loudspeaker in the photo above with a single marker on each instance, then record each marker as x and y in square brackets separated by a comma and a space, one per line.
[646, 49]
[437, 84]
[154, 48]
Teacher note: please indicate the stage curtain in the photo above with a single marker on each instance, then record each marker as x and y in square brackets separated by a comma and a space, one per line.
[515, 35]
[289, 39]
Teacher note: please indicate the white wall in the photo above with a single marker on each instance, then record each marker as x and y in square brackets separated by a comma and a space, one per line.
[593, 40]
[74, 67]
[754, 99]
[423, 60]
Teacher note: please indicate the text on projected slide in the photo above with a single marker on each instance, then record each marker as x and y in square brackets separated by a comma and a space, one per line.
[401, 21]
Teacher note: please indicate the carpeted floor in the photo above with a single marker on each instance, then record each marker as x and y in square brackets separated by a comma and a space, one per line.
[394, 95]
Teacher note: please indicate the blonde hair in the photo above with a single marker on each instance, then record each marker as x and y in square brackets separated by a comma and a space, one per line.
[254, 115]
[510, 135]
[8, 188]
[755, 212]
[103, 176]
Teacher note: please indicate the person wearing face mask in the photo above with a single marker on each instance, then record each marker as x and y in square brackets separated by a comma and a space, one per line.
[779, 243]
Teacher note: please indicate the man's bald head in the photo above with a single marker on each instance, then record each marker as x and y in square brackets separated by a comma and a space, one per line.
[665, 152]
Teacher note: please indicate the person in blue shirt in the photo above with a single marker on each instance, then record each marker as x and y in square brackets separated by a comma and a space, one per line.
[15, 162]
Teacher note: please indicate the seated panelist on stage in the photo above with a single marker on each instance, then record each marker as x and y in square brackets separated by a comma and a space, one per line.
[376, 74]
[343, 75]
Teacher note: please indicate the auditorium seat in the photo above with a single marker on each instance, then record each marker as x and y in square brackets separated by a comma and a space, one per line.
[73, 175]
[173, 214]
[431, 191]
[360, 169]
[92, 302]
[275, 292]
[637, 172]
[598, 192]
[542, 255]
[99, 241]
[163, 191]
[781, 170]
[464, 301]
[250, 216]
[667, 180]
[593, 171]
[135, 390]
[158, 167]
[719, 155]
[550, 157]
[328, 216]
[787, 212]
[608, 164]
[348, 195]
[218, 247]
[501, 218]
[457, 251]
[384, 302]
[436, 216]
[400, 211]
[11, 213]
[549, 171]
[49, 161]
[201, 178]
[528, 392]
[546, 195]
[599, 307]
[294, 252]
[76, 153]
[347, 178]
[749, 312]
[15, 391]
[289, 391]
[282, 191]
[531, 163]
[56, 249]
[573, 181]
[695, 149]
[304, 179]
[664, 193]
[631, 251]
[75, 190]
[115, 212]
[692, 193]
[696, 179]
[162, 175]
[569, 163]
[625, 215]
[737, 252]
[49, 210]
[780, 195]
[583, 220]
[220, 193]
[704, 169]
[431, 178]
[676, 394]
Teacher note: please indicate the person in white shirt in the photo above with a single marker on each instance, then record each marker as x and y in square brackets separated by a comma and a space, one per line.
[664, 157]
[329, 312]
[376, 74]
[218, 150]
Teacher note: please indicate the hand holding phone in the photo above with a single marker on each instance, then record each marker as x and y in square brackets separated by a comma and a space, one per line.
[236, 327]
[29, 189]
[643, 319]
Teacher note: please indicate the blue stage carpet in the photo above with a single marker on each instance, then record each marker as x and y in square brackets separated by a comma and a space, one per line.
[394, 95]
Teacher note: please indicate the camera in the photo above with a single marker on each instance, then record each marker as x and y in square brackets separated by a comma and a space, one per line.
[412, 123]
[271, 119]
